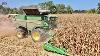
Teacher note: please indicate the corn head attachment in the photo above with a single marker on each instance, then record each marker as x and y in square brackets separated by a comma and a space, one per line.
[49, 47]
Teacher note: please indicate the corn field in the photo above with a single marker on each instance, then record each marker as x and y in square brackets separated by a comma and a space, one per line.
[79, 34]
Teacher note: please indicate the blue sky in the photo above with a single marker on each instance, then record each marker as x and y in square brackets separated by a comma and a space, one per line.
[76, 4]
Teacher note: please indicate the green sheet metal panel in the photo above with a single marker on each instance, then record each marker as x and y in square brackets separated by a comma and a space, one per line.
[32, 21]
[28, 17]
[33, 17]
[21, 17]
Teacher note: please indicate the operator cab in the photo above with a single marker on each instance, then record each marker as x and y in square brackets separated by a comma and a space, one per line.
[50, 17]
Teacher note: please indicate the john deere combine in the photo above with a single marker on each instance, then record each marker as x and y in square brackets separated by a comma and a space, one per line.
[37, 23]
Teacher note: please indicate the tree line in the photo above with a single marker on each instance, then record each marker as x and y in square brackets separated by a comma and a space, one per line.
[49, 5]
[56, 8]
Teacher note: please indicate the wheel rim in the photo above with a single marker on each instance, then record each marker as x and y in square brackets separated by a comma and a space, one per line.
[36, 36]
[19, 34]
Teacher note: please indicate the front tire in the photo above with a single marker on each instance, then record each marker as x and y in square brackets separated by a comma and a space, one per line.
[38, 35]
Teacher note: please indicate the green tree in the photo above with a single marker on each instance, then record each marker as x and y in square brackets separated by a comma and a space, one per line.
[60, 8]
[42, 5]
[6, 10]
[79, 11]
[91, 11]
[53, 9]
[49, 4]
[1, 9]
[69, 10]
[98, 8]
[46, 5]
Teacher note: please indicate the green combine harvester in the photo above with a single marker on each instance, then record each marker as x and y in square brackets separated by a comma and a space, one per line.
[37, 23]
